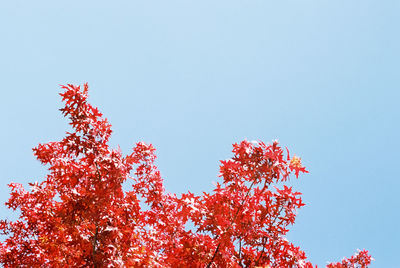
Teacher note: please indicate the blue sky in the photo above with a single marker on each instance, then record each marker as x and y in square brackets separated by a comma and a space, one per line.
[193, 77]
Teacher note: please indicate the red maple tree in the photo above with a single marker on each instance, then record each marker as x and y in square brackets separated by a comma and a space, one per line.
[80, 216]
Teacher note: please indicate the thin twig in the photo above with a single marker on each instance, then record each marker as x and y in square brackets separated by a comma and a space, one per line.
[240, 252]
[94, 242]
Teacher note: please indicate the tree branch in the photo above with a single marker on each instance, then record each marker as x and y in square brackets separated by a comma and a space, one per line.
[232, 221]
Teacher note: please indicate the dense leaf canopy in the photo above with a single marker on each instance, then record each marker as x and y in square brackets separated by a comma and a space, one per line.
[80, 215]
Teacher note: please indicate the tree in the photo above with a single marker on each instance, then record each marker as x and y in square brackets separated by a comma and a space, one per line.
[80, 216]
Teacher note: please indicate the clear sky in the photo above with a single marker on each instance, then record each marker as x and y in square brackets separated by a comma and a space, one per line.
[193, 77]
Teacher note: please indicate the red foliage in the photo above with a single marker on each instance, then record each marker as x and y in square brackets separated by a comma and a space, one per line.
[361, 259]
[80, 216]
